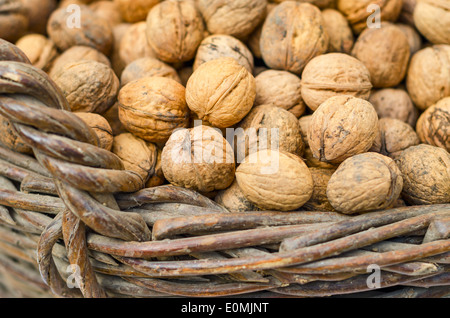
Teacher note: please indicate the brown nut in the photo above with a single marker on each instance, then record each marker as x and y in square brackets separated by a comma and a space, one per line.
[364, 183]
[117, 63]
[275, 180]
[40, 50]
[221, 92]
[157, 178]
[88, 86]
[313, 162]
[175, 30]
[414, 39]
[319, 200]
[334, 74]
[135, 10]
[134, 44]
[433, 126]
[253, 40]
[432, 19]
[112, 116]
[13, 20]
[147, 67]
[387, 61]
[280, 88]
[153, 107]
[199, 158]
[338, 30]
[342, 127]
[407, 12]
[292, 35]
[319, 3]
[100, 126]
[234, 200]
[38, 12]
[428, 73]
[426, 175]
[108, 10]
[9, 138]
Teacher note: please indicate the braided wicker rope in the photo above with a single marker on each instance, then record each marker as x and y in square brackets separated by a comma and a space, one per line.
[73, 206]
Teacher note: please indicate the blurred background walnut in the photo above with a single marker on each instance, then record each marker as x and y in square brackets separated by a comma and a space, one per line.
[134, 44]
[40, 50]
[133, 11]
[108, 10]
[147, 67]
[338, 30]
[432, 19]
[38, 13]
[13, 20]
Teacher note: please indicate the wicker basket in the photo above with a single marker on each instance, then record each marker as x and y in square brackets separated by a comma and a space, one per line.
[73, 223]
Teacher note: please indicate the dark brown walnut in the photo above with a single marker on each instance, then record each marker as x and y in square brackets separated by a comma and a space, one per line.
[365, 182]
[292, 35]
[185, 73]
[199, 158]
[387, 61]
[433, 126]
[334, 74]
[117, 63]
[147, 67]
[88, 86]
[338, 30]
[414, 38]
[342, 127]
[221, 45]
[394, 103]
[134, 45]
[407, 12]
[157, 178]
[92, 31]
[221, 92]
[9, 138]
[236, 18]
[40, 50]
[428, 73]
[360, 13]
[38, 12]
[234, 200]
[426, 175]
[175, 30]
[432, 19]
[268, 127]
[153, 107]
[100, 126]
[319, 200]
[13, 20]
[275, 180]
[135, 10]
[319, 3]
[108, 10]
[280, 88]
[393, 137]
[112, 116]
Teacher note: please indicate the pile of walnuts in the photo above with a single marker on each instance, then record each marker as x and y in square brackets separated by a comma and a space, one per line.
[322, 105]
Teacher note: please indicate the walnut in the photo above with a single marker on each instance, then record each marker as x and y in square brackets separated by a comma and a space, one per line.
[236, 18]
[175, 29]
[153, 107]
[394, 103]
[112, 116]
[319, 200]
[407, 12]
[275, 180]
[100, 126]
[38, 12]
[253, 41]
[292, 35]
[89, 86]
[221, 92]
[427, 78]
[135, 10]
[280, 88]
[304, 123]
[107, 10]
[386, 61]
[93, 31]
[40, 50]
[360, 12]
[147, 67]
[9, 138]
[157, 178]
[334, 74]
[343, 126]
[117, 63]
[433, 126]
[313, 162]
[234, 200]
[185, 73]
[269, 127]
[319, 3]
[426, 175]
[365, 182]
[414, 38]
[432, 19]
[13, 20]
[393, 137]
[199, 158]
[134, 45]
[222, 45]
[338, 30]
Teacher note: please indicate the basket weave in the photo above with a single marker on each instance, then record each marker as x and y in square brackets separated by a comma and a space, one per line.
[74, 223]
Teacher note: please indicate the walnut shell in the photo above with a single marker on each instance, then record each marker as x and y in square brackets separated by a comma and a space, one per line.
[428, 73]
[432, 19]
[157, 178]
[275, 180]
[88, 86]
[253, 40]
[387, 61]
[134, 44]
[234, 200]
[38, 13]
[222, 45]
[414, 39]
[112, 116]
[13, 20]
[334, 74]
[147, 67]
[426, 175]
[338, 30]
[407, 12]
[199, 159]
[313, 162]
[319, 200]
[153, 107]
[394, 103]
[93, 31]
[40, 50]
[269, 127]
[292, 35]
[175, 29]
[433, 126]
[342, 127]
[100, 126]
[108, 10]
[185, 73]
[319, 3]
[9, 138]
[221, 92]
[280, 88]
[135, 10]
[236, 18]
[304, 123]
[364, 183]
[393, 137]
[117, 63]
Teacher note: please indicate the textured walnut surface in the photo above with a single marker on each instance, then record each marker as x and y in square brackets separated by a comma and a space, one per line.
[432, 19]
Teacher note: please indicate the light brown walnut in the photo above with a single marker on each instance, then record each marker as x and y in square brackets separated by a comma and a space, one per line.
[147, 67]
[339, 31]
[100, 126]
[40, 50]
[234, 200]
[432, 19]
[134, 44]
[133, 11]
[319, 200]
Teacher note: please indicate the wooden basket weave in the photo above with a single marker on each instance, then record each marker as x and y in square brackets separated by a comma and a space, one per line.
[74, 223]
